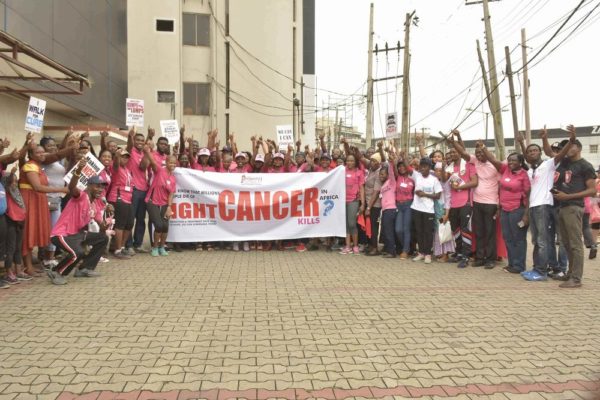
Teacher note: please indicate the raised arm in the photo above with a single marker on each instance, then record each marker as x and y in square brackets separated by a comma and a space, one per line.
[490, 156]
[521, 140]
[322, 142]
[563, 152]
[103, 136]
[234, 148]
[458, 146]
[149, 158]
[182, 138]
[545, 144]
[419, 139]
[73, 190]
[130, 136]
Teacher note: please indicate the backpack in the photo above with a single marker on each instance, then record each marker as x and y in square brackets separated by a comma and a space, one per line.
[2, 200]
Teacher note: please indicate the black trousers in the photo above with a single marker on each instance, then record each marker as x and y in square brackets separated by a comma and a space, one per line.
[14, 242]
[484, 228]
[423, 223]
[73, 246]
[460, 218]
[375, 219]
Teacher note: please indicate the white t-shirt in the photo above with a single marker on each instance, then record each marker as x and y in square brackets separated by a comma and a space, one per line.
[430, 185]
[542, 180]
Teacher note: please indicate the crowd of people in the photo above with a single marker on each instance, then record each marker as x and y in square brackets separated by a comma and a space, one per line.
[454, 207]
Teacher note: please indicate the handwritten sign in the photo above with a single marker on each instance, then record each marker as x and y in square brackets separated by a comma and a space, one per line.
[34, 122]
[170, 130]
[134, 110]
[285, 137]
[92, 168]
[391, 126]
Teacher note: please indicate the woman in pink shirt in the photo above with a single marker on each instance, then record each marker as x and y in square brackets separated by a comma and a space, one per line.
[388, 195]
[405, 187]
[355, 203]
[159, 200]
[120, 196]
[514, 205]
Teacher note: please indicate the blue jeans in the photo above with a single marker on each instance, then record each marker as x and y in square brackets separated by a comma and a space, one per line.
[514, 237]
[560, 261]
[138, 203]
[539, 221]
[388, 218]
[402, 226]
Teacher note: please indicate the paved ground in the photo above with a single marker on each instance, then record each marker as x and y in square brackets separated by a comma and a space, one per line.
[287, 325]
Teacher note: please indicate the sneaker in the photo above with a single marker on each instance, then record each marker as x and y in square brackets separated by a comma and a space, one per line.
[427, 259]
[403, 255]
[372, 252]
[345, 250]
[464, 263]
[104, 260]
[593, 253]
[570, 284]
[535, 276]
[121, 255]
[4, 284]
[11, 279]
[24, 277]
[140, 250]
[510, 269]
[85, 273]
[489, 265]
[236, 246]
[154, 252]
[419, 257]
[162, 251]
[560, 276]
[301, 248]
[454, 258]
[356, 250]
[56, 278]
[246, 246]
[526, 272]
[479, 263]
[387, 255]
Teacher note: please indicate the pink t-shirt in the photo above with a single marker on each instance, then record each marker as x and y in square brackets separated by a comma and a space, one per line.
[199, 167]
[221, 168]
[160, 159]
[486, 191]
[140, 178]
[387, 193]
[514, 187]
[272, 170]
[77, 215]
[245, 169]
[405, 189]
[122, 180]
[105, 174]
[461, 197]
[354, 179]
[162, 186]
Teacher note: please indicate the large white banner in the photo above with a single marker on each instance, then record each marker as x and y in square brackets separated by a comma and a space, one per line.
[210, 206]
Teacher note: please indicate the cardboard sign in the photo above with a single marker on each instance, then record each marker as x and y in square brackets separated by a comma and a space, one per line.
[170, 130]
[34, 122]
[391, 126]
[92, 168]
[134, 110]
[285, 137]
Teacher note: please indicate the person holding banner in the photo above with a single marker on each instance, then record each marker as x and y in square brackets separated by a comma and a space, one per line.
[355, 203]
[120, 196]
[33, 184]
[80, 224]
[159, 200]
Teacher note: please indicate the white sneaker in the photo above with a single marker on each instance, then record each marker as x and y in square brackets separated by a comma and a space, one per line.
[420, 257]
[236, 246]
[246, 246]
[427, 259]
[104, 260]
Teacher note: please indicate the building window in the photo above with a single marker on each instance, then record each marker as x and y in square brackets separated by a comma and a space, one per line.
[593, 148]
[165, 25]
[196, 29]
[196, 99]
[164, 96]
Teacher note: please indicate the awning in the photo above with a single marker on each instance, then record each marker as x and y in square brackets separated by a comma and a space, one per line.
[21, 65]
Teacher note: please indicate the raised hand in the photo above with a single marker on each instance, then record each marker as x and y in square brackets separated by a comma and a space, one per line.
[104, 134]
[151, 133]
[544, 133]
[572, 135]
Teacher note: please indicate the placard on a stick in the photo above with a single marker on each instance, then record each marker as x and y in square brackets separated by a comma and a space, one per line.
[285, 136]
[134, 110]
[34, 122]
[170, 130]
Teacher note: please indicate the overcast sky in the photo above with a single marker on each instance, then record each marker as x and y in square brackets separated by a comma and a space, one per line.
[564, 86]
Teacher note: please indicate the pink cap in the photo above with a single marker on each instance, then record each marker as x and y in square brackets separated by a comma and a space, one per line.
[240, 154]
[278, 155]
[259, 157]
[204, 152]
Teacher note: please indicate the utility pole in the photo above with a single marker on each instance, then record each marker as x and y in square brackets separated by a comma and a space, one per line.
[526, 88]
[405, 83]
[513, 100]
[369, 129]
[227, 71]
[494, 90]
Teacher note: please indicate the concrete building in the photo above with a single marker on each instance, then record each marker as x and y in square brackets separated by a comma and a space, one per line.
[76, 44]
[234, 65]
[335, 131]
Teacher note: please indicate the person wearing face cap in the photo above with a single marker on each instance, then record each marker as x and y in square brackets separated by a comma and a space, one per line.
[80, 224]
[373, 200]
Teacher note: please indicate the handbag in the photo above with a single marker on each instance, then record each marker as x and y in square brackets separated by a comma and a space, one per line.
[445, 232]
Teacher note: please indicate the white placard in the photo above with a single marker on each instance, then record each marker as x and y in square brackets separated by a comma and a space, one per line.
[134, 110]
[208, 206]
[170, 130]
[34, 122]
[285, 137]
[92, 168]
[391, 125]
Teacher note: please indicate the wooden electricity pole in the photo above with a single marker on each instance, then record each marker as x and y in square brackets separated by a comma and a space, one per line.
[513, 97]
[405, 83]
[369, 133]
[526, 88]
